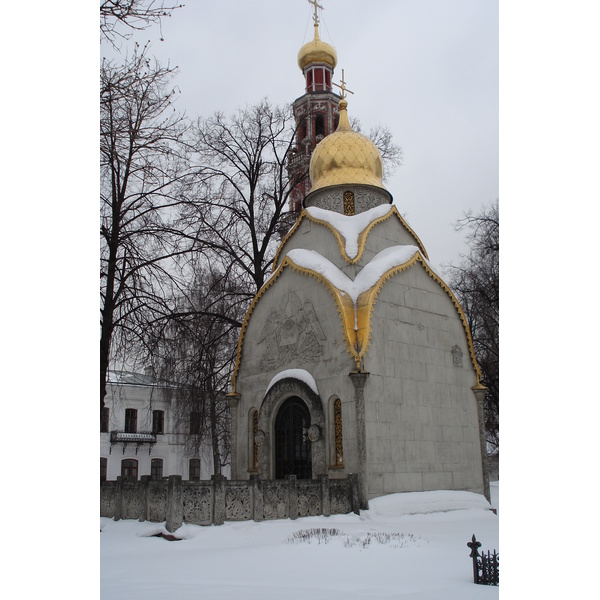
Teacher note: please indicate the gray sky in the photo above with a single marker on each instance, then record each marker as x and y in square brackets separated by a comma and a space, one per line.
[428, 69]
[549, 157]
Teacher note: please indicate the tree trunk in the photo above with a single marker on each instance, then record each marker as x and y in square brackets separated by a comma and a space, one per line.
[214, 432]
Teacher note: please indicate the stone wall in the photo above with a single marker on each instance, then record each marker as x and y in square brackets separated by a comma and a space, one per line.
[213, 502]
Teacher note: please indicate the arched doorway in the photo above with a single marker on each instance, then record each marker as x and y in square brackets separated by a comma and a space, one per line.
[292, 446]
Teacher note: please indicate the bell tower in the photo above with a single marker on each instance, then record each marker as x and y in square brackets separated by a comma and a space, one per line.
[316, 112]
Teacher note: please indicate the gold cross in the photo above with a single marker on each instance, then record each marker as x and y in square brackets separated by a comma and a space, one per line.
[343, 86]
[316, 5]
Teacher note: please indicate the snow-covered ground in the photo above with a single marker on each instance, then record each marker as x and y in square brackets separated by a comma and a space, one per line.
[426, 558]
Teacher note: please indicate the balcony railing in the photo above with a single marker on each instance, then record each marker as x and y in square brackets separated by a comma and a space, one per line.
[298, 159]
[138, 438]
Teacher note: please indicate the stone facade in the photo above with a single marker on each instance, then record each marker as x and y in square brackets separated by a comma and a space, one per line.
[408, 387]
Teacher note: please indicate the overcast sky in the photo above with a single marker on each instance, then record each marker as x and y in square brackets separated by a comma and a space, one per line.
[428, 69]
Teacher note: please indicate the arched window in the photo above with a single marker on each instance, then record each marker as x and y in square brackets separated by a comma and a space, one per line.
[156, 469]
[302, 130]
[319, 87]
[292, 446]
[337, 423]
[254, 444]
[349, 208]
[129, 469]
[309, 81]
[319, 125]
[336, 443]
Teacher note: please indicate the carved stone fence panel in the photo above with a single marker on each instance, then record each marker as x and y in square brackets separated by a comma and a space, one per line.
[218, 500]
[198, 500]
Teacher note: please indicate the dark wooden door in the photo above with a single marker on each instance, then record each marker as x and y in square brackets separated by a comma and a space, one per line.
[292, 446]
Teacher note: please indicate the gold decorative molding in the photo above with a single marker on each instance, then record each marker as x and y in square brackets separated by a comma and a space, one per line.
[254, 444]
[349, 208]
[341, 241]
[463, 318]
[338, 434]
[367, 299]
[343, 302]
[356, 320]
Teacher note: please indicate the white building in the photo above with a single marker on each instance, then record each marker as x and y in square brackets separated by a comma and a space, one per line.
[137, 432]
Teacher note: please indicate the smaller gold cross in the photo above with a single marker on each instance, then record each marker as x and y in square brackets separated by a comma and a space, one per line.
[343, 86]
[316, 6]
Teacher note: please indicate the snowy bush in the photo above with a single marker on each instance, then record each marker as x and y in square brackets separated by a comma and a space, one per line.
[324, 536]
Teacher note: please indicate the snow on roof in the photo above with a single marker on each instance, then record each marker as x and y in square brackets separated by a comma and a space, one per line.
[299, 374]
[132, 378]
[370, 274]
[350, 226]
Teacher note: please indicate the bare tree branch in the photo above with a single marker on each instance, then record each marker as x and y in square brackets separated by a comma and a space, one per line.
[144, 178]
[391, 153]
[476, 284]
[119, 18]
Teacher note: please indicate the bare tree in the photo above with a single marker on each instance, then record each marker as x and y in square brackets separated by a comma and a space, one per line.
[476, 285]
[391, 153]
[131, 15]
[195, 350]
[234, 220]
[245, 192]
[143, 178]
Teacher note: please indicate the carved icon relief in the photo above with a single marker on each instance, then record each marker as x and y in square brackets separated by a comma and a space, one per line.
[457, 356]
[292, 332]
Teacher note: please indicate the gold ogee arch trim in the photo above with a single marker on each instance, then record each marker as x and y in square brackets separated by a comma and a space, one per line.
[341, 241]
[356, 322]
[367, 300]
[343, 302]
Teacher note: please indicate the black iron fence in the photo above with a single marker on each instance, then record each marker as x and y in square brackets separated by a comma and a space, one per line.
[486, 566]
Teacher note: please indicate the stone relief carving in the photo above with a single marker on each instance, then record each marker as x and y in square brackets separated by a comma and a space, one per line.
[157, 505]
[340, 497]
[457, 356]
[314, 433]
[131, 501]
[237, 504]
[196, 504]
[309, 500]
[364, 199]
[259, 438]
[275, 501]
[329, 200]
[292, 332]
[107, 500]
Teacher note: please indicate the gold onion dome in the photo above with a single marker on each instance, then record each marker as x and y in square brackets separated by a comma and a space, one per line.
[317, 51]
[345, 157]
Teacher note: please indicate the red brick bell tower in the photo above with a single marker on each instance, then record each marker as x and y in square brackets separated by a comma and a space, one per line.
[316, 112]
